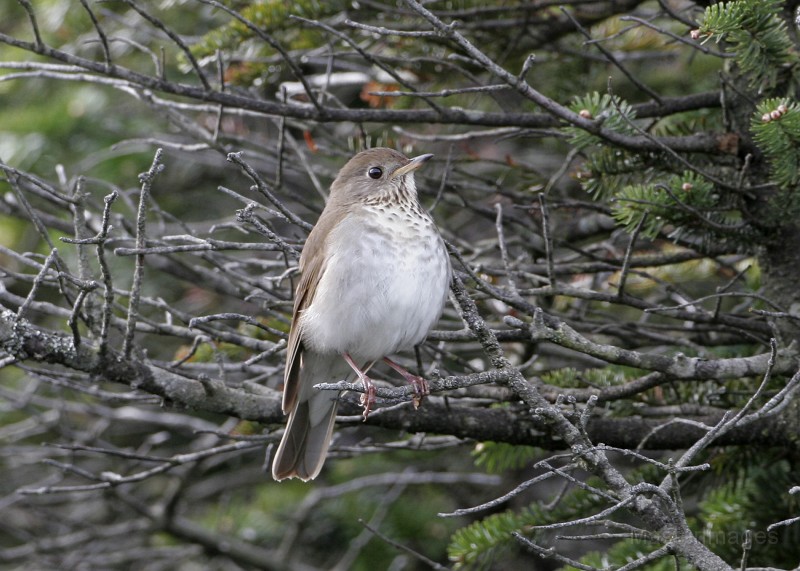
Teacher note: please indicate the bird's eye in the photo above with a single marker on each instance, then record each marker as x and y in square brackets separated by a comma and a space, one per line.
[375, 172]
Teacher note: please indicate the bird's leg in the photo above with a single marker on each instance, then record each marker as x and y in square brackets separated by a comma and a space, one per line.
[420, 385]
[368, 398]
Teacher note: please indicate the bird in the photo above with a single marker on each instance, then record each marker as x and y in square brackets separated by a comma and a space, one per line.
[374, 279]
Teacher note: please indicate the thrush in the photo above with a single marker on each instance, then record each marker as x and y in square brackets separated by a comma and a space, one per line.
[374, 277]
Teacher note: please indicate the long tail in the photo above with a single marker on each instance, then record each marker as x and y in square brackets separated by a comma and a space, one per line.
[308, 434]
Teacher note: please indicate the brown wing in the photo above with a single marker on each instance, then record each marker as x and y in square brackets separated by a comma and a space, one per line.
[312, 266]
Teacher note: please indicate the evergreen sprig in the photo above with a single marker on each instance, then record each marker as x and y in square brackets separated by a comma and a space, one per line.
[497, 457]
[756, 35]
[744, 498]
[776, 130]
[684, 201]
[615, 113]
[475, 545]
[609, 169]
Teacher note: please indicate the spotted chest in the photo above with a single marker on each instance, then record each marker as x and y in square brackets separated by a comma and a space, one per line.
[384, 284]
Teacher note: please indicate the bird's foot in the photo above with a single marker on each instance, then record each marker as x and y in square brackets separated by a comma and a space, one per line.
[421, 387]
[368, 397]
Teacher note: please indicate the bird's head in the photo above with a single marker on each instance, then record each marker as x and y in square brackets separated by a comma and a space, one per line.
[378, 174]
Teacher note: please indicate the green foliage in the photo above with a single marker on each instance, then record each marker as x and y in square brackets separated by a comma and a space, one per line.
[688, 123]
[271, 16]
[261, 513]
[477, 544]
[776, 129]
[615, 114]
[627, 551]
[744, 499]
[684, 201]
[609, 169]
[756, 34]
[497, 457]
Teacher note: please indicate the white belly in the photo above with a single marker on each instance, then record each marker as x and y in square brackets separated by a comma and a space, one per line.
[382, 290]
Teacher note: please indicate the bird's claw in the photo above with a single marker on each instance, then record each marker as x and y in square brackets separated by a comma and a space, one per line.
[368, 397]
[421, 389]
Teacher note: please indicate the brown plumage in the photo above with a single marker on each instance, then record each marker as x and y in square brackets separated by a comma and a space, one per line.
[374, 276]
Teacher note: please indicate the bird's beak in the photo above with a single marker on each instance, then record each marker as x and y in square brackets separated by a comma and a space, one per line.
[412, 165]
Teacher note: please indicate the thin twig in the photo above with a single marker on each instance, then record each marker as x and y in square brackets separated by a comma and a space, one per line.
[548, 242]
[263, 188]
[175, 38]
[37, 283]
[32, 19]
[400, 547]
[146, 180]
[503, 249]
[100, 33]
[626, 260]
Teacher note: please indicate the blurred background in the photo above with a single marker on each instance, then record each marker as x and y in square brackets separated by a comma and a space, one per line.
[104, 469]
